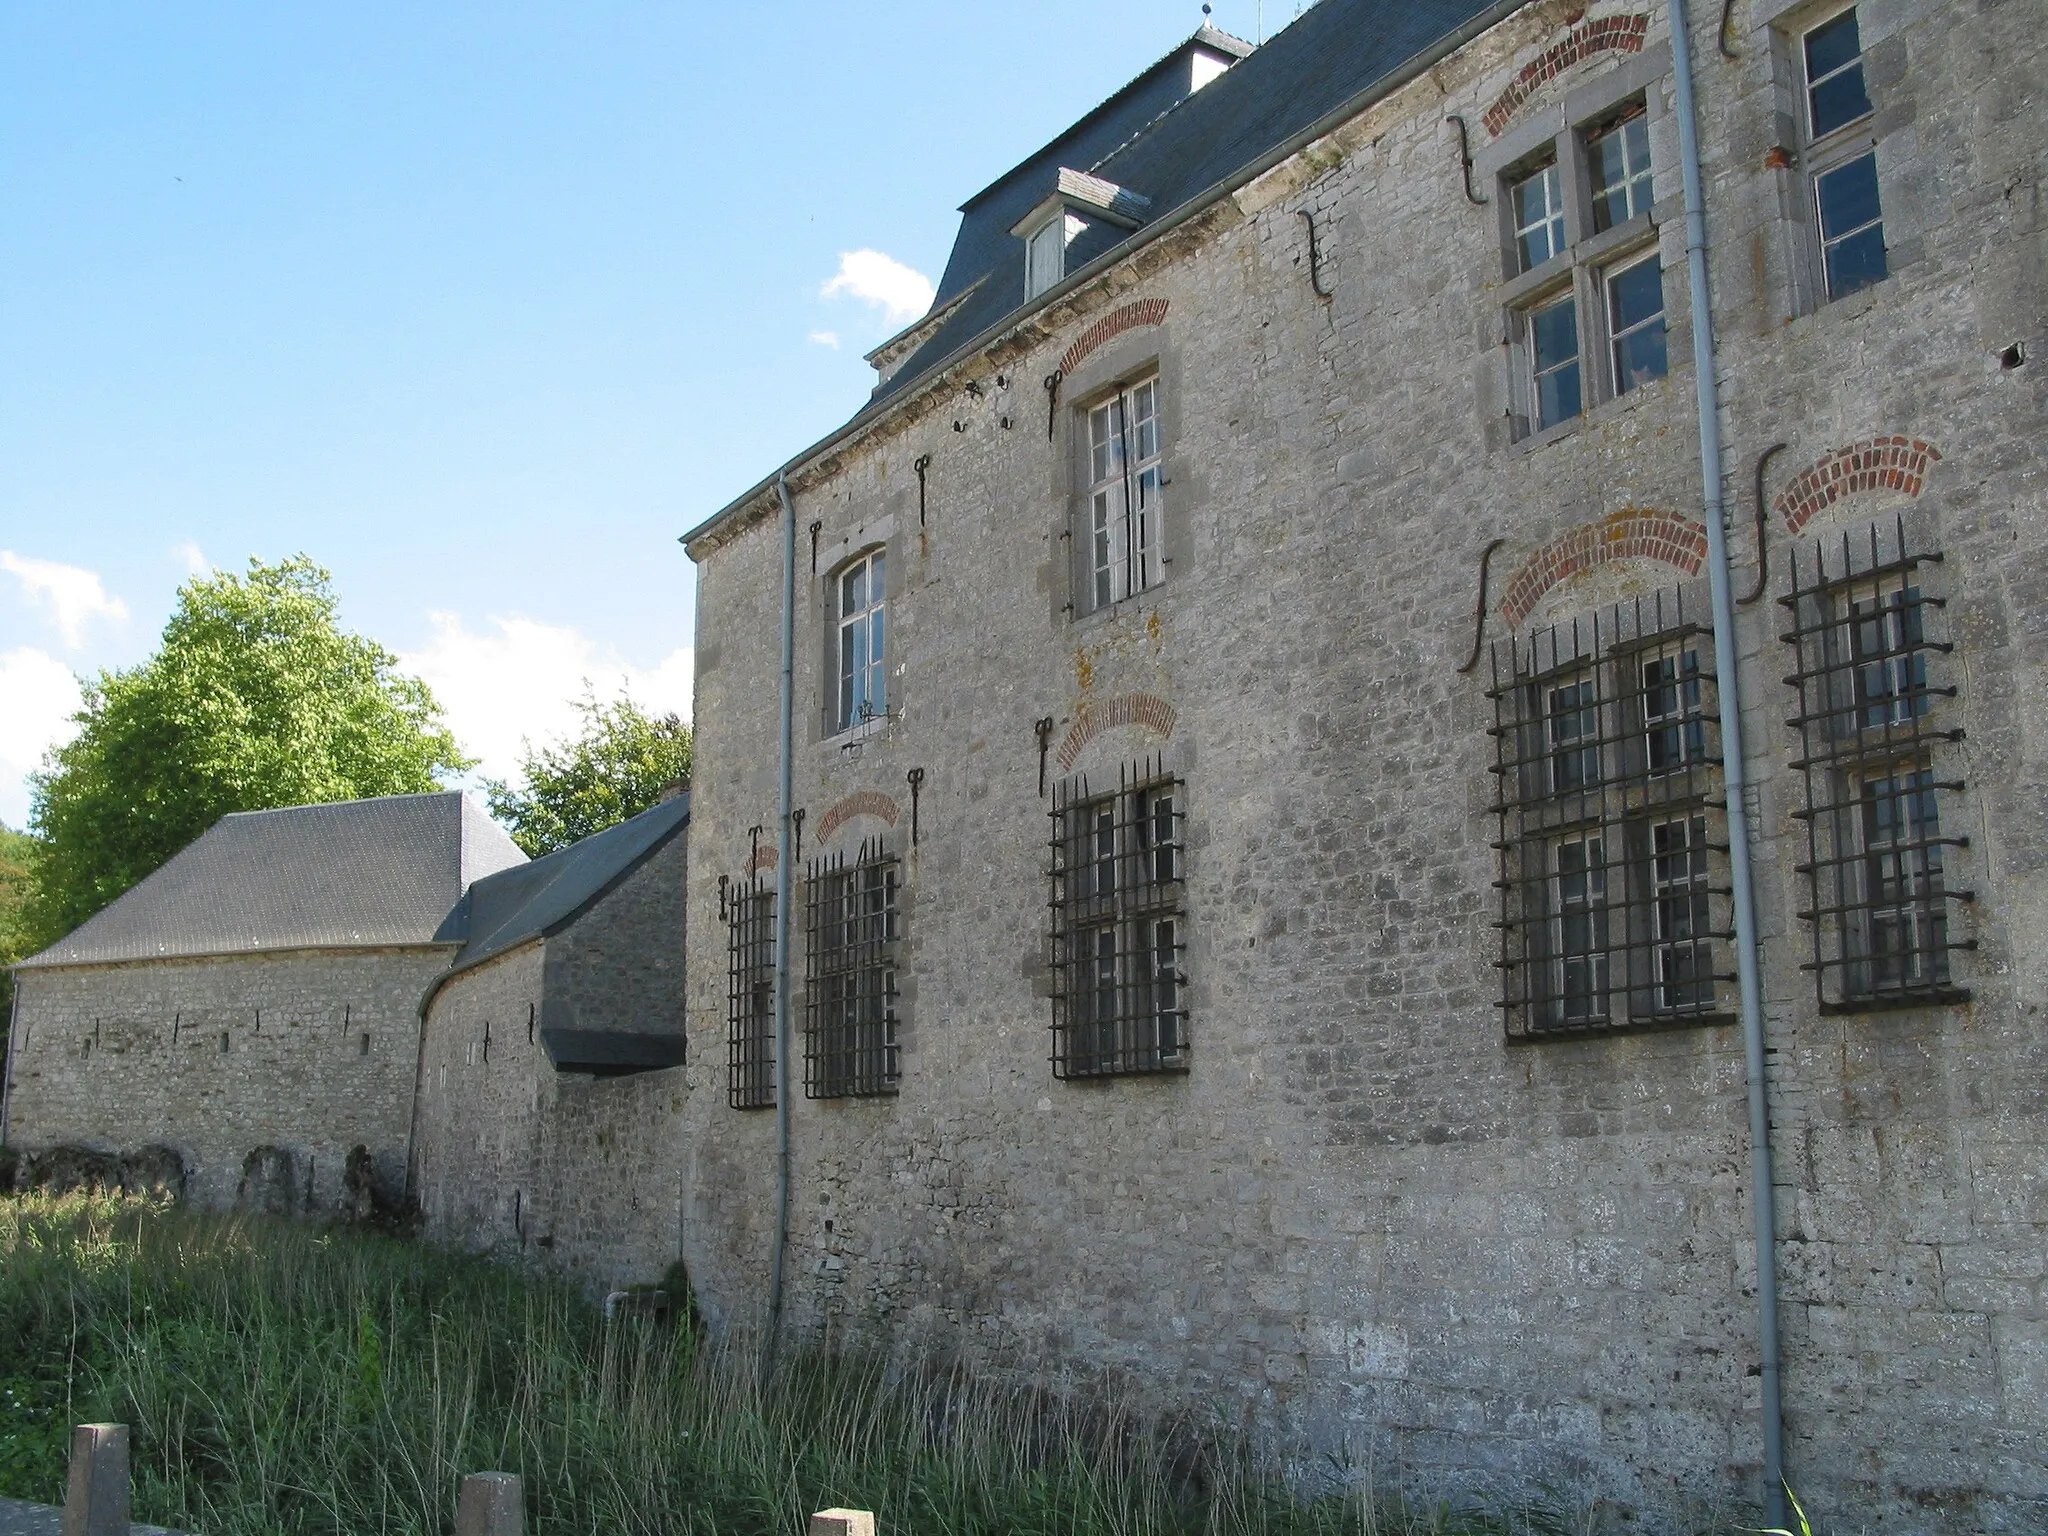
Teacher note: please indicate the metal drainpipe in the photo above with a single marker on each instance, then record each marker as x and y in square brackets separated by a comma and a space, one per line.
[1746, 964]
[7, 1067]
[782, 892]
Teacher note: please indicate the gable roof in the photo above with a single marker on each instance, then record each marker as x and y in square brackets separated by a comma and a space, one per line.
[1328, 65]
[349, 875]
[532, 901]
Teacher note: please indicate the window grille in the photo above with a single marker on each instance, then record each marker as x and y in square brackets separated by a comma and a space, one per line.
[750, 997]
[1615, 910]
[1119, 926]
[850, 976]
[1879, 809]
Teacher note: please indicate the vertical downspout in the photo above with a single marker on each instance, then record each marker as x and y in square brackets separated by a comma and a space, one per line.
[7, 1067]
[1747, 971]
[782, 893]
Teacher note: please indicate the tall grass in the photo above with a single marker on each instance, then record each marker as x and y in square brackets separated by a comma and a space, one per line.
[285, 1379]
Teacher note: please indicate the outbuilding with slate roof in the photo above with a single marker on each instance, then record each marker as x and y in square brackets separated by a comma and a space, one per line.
[253, 1005]
[551, 1084]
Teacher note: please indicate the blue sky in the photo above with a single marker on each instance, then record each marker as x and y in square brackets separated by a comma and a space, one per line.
[479, 305]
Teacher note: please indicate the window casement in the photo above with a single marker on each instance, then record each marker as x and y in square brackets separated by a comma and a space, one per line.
[1589, 324]
[1124, 549]
[1614, 904]
[1119, 926]
[1874, 721]
[860, 618]
[1841, 156]
[749, 913]
[1045, 252]
[851, 923]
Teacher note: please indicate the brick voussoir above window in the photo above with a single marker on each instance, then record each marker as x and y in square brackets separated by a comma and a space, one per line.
[1606, 34]
[1883, 463]
[1646, 533]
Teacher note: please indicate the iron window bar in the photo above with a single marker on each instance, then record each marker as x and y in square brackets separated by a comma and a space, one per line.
[852, 924]
[750, 996]
[1118, 901]
[1615, 909]
[1872, 739]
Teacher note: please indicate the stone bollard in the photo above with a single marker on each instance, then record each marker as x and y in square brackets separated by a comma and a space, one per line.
[491, 1505]
[843, 1522]
[96, 1502]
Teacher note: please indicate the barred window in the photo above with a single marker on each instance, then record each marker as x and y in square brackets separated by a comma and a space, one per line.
[750, 997]
[1119, 938]
[850, 979]
[1871, 721]
[1614, 904]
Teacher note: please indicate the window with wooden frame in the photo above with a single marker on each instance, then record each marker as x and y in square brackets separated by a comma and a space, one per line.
[860, 611]
[1841, 155]
[749, 914]
[1876, 719]
[851, 923]
[1119, 925]
[1122, 539]
[1614, 910]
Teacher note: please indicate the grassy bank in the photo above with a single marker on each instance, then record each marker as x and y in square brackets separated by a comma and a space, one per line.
[284, 1379]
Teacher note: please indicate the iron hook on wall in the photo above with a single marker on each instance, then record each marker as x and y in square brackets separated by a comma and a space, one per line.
[814, 547]
[1044, 729]
[723, 882]
[1465, 160]
[915, 779]
[796, 825]
[1052, 399]
[1315, 258]
[1721, 37]
[1479, 608]
[921, 463]
[1763, 551]
[753, 850]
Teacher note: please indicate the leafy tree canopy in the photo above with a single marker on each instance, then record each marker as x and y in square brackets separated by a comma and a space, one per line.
[624, 762]
[257, 698]
[17, 875]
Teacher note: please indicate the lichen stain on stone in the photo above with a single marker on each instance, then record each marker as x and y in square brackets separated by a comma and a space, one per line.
[1084, 669]
[1155, 630]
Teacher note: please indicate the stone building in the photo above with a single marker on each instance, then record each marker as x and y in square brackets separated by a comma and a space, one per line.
[1261, 890]
[253, 1005]
[549, 1082]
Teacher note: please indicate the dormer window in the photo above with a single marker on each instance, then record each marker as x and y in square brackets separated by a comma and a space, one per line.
[1045, 252]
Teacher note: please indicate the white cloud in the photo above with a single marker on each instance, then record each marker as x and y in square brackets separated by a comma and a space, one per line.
[517, 680]
[826, 339]
[192, 557]
[901, 293]
[38, 696]
[70, 594]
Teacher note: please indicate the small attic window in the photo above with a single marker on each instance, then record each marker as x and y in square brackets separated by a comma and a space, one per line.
[1045, 252]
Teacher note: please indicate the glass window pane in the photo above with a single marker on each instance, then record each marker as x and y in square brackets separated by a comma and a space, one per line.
[1636, 294]
[1539, 217]
[1834, 75]
[1832, 44]
[1857, 262]
[878, 577]
[1839, 101]
[1554, 333]
[1848, 197]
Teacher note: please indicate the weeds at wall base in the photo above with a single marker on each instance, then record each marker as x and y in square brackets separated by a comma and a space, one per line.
[282, 1378]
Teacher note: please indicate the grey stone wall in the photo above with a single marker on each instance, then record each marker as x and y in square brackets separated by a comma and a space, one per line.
[312, 1051]
[576, 1175]
[621, 965]
[1360, 1216]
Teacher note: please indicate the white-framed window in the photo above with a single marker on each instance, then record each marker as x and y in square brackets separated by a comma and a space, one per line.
[1905, 939]
[1579, 928]
[1045, 253]
[1679, 907]
[1125, 548]
[1618, 165]
[1555, 384]
[1635, 323]
[1572, 720]
[1888, 641]
[1842, 159]
[1674, 727]
[1538, 202]
[861, 611]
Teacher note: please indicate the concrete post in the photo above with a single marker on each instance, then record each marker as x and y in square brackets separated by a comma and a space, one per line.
[491, 1505]
[96, 1502]
[843, 1522]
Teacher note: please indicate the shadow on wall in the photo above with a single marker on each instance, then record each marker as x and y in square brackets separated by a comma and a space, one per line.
[274, 1182]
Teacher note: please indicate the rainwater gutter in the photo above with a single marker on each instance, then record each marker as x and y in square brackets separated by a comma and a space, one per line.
[7, 1067]
[782, 895]
[1748, 973]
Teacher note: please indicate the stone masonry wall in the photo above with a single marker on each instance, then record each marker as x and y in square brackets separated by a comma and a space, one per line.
[621, 966]
[312, 1051]
[1360, 1216]
[564, 1172]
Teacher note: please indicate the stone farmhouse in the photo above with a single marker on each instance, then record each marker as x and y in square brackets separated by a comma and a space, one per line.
[1408, 717]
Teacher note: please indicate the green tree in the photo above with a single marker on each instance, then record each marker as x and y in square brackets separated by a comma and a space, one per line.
[257, 698]
[17, 877]
[625, 761]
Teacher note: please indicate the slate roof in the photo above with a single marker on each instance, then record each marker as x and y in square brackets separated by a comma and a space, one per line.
[531, 901]
[350, 875]
[1330, 63]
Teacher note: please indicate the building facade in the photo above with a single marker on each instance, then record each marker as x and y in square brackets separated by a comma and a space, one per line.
[550, 1085]
[1261, 888]
[253, 1004]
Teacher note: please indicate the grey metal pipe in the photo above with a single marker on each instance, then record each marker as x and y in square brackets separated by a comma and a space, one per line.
[782, 893]
[1748, 973]
[7, 1067]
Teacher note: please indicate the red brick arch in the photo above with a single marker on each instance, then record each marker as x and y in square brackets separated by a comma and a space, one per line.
[1634, 533]
[1127, 317]
[1091, 720]
[866, 802]
[1607, 34]
[1875, 464]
